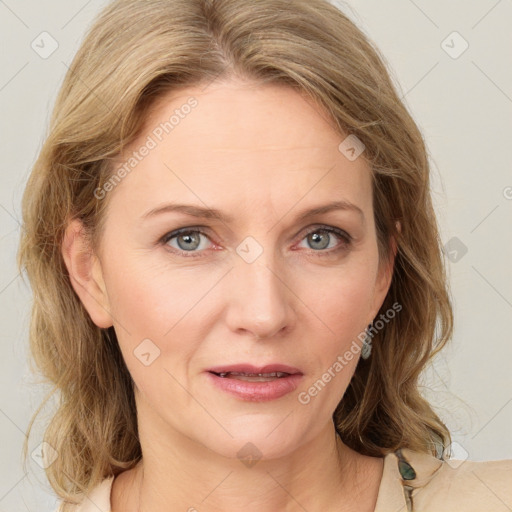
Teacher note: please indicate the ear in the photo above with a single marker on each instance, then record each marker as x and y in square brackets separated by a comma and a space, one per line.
[384, 276]
[85, 274]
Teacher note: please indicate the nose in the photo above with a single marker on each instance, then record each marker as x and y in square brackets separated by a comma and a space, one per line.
[261, 302]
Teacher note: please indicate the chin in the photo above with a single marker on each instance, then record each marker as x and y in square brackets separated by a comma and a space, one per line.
[249, 450]
[254, 438]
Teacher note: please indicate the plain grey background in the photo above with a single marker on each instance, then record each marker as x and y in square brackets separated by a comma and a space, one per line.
[451, 61]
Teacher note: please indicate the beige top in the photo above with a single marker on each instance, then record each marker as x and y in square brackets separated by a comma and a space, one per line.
[411, 481]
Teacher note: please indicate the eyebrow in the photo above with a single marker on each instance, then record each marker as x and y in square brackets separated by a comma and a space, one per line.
[214, 214]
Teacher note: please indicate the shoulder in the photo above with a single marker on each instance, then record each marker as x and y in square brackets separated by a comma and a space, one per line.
[431, 484]
[98, 500]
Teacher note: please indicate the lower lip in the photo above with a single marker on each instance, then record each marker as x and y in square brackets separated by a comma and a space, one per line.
[257, 391]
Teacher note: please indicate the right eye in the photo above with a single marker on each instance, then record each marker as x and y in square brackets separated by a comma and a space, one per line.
[187, 240]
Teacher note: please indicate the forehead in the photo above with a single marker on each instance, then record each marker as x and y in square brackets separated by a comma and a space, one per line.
[242, 144]
[239, 116]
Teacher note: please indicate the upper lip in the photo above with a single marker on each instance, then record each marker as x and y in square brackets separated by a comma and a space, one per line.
[249, 368]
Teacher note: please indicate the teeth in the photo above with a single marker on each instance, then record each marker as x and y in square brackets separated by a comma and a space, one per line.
[261, 375]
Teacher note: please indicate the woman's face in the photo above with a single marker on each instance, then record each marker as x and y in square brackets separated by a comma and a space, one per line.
[266, 284]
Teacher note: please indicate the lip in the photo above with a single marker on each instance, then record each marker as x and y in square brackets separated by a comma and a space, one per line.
[249, 368]
[256, 391]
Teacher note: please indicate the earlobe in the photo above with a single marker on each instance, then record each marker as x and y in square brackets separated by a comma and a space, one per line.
[85, 274]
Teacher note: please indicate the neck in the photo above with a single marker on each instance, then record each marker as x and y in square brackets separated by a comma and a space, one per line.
[177, 473]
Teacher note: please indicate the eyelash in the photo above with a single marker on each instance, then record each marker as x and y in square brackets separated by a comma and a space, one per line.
[343, 235]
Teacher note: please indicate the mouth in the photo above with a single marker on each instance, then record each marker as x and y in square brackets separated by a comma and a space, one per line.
[252, 377]
[256, 384]
[245, 371]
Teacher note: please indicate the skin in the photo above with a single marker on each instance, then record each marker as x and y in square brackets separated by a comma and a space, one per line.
[262, 154]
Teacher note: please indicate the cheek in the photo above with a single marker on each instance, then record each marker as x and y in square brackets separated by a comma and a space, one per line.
[339, 310]
[151, 297]
[344, 298]
[152, 308]
[342, 308]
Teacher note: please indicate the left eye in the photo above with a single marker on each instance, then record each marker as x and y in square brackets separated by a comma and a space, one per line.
[320, 238]
[189, 240]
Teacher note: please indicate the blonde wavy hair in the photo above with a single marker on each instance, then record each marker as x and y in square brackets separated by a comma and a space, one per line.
[136, 51]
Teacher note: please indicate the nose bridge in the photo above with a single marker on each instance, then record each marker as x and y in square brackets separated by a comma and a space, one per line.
[260, 300]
